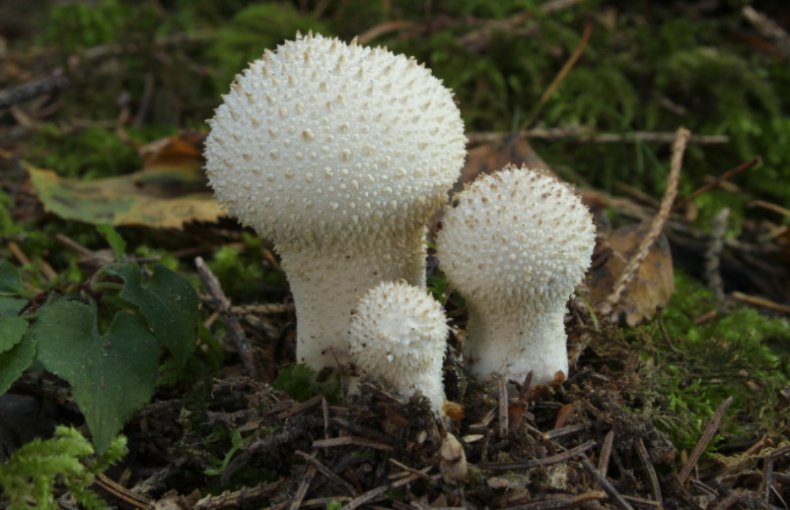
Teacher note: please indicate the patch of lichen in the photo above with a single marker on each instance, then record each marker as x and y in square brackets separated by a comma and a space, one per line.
[694, 366]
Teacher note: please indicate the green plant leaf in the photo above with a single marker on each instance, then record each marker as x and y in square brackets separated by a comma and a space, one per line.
[115, 241]
[12, 329]
[169, 304]
[10, 282]
[112, 374]
[15, 361]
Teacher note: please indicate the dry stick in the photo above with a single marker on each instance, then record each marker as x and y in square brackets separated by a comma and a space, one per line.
[606, 452]
[409, 470]
[545, 461]
[326, 472]
[768, 478]
[656, 227]
[221, 303]
[716, 182]
[707, 435]
[304, 485]
[566, 68]
[586, 135]
[562, 502]
[761, 302]
[378, 492]
[713, 255]
[607, 486]
[33, 89]
[768, 28]
[238, 498]
[503, 407]
[651, 472]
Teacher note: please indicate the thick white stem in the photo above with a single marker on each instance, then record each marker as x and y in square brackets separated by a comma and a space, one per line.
[328, 280]
[512, 340]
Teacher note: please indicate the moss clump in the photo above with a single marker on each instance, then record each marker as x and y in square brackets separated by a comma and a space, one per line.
[743, 354]
[89, 153]
[251, 31]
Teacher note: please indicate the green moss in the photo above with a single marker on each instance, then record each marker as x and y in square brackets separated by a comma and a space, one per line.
[252, 30]
[77, 25]
[89, 153]
[742, 354]
[242, 274]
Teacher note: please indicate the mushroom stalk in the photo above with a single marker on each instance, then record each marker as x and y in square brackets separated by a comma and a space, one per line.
[338, 154]
[515, 339]
[328, 279]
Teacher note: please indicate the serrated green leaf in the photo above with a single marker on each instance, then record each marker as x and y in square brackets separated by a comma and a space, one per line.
[114, 239]
[15, 361]
[169, 304]
[12, 329]
[112, 374]
[10, 306]
[10, 282]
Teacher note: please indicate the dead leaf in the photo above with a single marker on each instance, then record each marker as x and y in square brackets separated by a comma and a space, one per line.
[490, 157]
[654, 282]
[168, 192]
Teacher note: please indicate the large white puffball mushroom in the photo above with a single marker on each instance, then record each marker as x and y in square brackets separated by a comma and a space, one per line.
[338, 154]
[515, 244]
[398, 336]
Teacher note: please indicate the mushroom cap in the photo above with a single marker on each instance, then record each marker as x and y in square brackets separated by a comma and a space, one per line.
[517, 235]
[322, 136]
[398, 334]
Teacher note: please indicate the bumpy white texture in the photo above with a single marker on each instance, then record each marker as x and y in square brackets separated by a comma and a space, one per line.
[338, 154]
[398, 335]
[515, 244]
[320, 136]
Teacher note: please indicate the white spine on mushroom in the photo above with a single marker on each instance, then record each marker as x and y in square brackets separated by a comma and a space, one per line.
[515, 244]
[338, 154]
[398, 335]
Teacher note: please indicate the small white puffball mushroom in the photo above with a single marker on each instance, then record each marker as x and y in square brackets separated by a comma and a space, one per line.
[338, 154]
[515, 244]
[398, 335]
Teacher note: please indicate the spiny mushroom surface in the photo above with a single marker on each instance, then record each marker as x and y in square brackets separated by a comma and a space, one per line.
[515, 244]
[338, 154]
[398, 335]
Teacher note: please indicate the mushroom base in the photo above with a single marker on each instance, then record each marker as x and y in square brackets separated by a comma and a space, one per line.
[514, 341]
[328, 280]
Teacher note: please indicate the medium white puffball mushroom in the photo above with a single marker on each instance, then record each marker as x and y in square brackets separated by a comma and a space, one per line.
[515, 244]
[398, 336]
[338, 154]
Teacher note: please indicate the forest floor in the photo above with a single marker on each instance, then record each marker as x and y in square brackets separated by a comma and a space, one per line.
[673, 123]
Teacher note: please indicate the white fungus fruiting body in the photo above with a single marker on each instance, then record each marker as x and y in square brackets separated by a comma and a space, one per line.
[338, 154]
[515, 244]
[398, 335]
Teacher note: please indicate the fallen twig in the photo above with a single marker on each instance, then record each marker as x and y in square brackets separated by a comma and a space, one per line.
[26, 91]
[586, 135]
[607, 486]
[651, 472]
[222, 305]
[768, 28]
[326, 472]
[545, 461]
[563, 72]
[713, 255]
[761, 302]
[707, 435]
[236, 499]
[716, 182]
[657, 225]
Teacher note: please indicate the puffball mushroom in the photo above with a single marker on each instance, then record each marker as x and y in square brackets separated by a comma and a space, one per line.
[338, 154]
[398, 335]
[515, 244]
